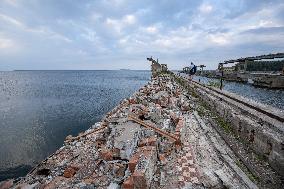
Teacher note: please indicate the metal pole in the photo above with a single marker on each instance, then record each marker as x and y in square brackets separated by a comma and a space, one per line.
[222, 74]
[221, 86]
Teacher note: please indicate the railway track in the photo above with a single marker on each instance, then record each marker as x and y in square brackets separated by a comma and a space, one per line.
[274, 118]
[263, 111]
[260, 127]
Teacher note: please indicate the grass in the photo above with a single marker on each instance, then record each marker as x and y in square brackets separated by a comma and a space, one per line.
[250, 175]
[261, 157]
[225, 125]
[214, 84]
[201, 111]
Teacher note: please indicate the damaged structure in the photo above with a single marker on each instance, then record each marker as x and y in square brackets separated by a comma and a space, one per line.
[154, 139]
[157, 68]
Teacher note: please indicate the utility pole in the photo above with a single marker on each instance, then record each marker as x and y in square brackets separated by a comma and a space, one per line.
[220, 67]
[202, 66]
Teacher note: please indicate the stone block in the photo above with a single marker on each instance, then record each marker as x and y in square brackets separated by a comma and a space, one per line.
[113, 185]
[6, 184]
[172, 101]
[68, 138]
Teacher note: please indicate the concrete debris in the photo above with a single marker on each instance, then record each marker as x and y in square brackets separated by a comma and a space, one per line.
[119, 152]
[6, 184]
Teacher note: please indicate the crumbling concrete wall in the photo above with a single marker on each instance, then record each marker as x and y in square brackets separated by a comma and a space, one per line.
[262, 136]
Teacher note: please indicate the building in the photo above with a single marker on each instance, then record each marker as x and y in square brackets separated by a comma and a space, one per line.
[229, 69]
[164, 67]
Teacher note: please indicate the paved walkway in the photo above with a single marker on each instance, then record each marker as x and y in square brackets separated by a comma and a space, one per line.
[188, 172]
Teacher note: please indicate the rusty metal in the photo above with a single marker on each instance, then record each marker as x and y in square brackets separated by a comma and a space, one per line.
[161, 132]
[83, 135]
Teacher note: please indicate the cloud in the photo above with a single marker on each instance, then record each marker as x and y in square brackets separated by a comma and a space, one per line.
[95, 33]
[265, 30]
[151, 29]
[10, 20]
[11, 2]
[129, 19]
[119, 24]
[6, 43]
[219, 39]
[205, 8]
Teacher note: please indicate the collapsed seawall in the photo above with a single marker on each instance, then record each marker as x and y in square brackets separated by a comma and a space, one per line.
[154, 139]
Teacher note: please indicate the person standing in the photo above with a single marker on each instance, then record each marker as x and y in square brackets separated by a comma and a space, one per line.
[192, 70]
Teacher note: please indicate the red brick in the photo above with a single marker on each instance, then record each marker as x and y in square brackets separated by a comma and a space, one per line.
[177, 93]
[115, 152]
[128, 183]
[151, 141]
[69, 172]
[106, 155]
[100, 143]
[139, 180]
[163, 159]
[131, 101]
[119, 169]
[174, 118]
[178, 145]
[133, 162]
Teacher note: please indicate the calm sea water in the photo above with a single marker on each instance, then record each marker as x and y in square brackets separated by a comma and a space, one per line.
[38, 109]
[271, 97]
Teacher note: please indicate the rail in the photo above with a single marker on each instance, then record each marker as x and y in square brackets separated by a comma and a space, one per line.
[274, 116]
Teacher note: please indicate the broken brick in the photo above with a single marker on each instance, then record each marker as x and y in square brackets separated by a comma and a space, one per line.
[128, 183]
[106, 155]
[131, 101]
[133, 162]
[119, 169]
[163, 159]
[69, 172]
[151, 141]
[174, 118]
[100, 143]
[115, 153]
[139, 180]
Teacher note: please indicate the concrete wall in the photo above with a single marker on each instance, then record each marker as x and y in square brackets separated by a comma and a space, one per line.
[258, 134]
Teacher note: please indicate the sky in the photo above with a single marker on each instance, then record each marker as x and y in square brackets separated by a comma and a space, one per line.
[116, 34]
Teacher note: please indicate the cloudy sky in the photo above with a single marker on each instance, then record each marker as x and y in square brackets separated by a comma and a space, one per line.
[114, 34]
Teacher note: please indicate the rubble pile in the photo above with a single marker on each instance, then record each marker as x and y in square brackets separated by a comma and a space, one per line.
[142, 143]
